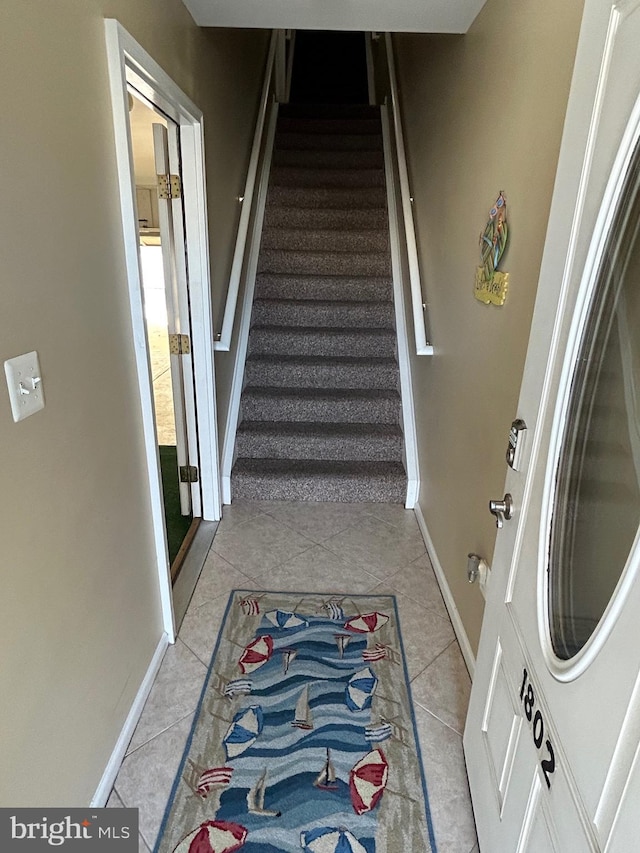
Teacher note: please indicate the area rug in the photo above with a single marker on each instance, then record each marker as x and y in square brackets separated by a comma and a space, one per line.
[304, 737]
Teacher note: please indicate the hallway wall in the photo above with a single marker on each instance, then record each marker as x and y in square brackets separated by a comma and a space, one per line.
[483, 113]
[79, 613]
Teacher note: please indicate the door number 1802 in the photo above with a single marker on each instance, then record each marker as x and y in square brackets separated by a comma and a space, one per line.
[528, 699]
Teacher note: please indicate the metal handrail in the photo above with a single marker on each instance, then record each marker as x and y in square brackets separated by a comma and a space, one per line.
[223, 339]
[418, 304]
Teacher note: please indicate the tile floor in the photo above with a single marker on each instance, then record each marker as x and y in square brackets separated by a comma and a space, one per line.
[320, 548]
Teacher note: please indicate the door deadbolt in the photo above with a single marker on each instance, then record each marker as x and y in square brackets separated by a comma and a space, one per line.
[503, 510]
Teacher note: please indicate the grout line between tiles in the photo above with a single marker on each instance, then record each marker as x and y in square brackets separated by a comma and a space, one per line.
[436, 717]
[157, 734]
[197, 655]
[422, 671]
[160, 375]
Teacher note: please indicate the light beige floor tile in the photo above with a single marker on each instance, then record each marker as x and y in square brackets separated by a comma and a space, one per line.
[114, 801]
[444, 687]
[394, 514]
[163, 402]
[369, 548]
[201, 625]
[418, 581]
[238, 512]
[218, 577]
[317, 570]
[159, 350]
[146, 776]
[377, 546]
[384, 588]
[317, 521]
[424, 633]
[174, 694]
[449, 798]
[259, 544]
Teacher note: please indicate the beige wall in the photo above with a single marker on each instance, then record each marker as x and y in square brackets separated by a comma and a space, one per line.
[483, 113]
[79, 612]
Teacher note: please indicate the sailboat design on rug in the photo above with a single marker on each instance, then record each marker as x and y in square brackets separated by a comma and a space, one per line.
[288, 655]
[342, 640]
[255, 798]
[303, 716]
[326, 778]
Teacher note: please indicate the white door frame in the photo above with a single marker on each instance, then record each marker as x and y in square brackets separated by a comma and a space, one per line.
[129, 63]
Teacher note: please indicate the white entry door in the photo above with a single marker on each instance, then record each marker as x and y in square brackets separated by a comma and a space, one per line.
[552, 740]
[171, 224]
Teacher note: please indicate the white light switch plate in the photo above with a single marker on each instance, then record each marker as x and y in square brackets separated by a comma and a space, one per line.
[25, 385]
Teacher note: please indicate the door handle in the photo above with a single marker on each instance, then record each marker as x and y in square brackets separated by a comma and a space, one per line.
[503, 510]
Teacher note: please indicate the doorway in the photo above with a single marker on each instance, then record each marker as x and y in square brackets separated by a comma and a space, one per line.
[177, 129]
[171, 384]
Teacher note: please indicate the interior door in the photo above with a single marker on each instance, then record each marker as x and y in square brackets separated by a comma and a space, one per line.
[553, 730]
[171, 225]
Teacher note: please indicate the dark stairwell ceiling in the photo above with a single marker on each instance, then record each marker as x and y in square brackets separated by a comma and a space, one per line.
[434, 16]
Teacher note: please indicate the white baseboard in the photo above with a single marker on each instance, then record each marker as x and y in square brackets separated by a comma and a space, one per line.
[413, 490]
[454, 615]
[111, 771]
[226, 489]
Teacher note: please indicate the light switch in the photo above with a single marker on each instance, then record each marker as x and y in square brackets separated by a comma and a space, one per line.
[25, 385]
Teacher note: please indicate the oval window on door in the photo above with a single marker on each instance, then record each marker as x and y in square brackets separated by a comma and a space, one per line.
[596, 511]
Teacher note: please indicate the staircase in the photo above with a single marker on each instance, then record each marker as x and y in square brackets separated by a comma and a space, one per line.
[320, 411]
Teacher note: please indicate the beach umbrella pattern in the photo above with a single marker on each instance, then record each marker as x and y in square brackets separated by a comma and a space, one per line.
[284, 619]
[256, 654]
[329, 839]
[244, 730]
[213, 836]
[367, 781]
[366, 624]
[360, 690]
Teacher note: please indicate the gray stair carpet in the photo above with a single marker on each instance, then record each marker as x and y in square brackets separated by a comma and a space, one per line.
[320, 411]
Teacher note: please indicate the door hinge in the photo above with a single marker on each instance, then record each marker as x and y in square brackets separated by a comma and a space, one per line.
[188, 474]
[169, 186]
[179, 345]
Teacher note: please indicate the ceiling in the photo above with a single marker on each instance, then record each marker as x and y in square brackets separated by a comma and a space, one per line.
[430, 16]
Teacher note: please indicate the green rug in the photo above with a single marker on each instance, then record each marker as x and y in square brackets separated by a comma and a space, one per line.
[177, 524]
[304, 737]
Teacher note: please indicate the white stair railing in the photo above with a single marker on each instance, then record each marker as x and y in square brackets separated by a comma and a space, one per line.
[418, 303]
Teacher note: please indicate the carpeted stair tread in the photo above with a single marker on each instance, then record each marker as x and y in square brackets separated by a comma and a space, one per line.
[343, 441]
[337, 405]
[319, 480]
[328, 197]
[299, 176]
[330, 126]
[323, 287]
[327, 219]
[325, 263]
[329, 158]
[299, 140]
[276, 340]
[292, 312]
[322, 239]
[320, 407]
[286, 371]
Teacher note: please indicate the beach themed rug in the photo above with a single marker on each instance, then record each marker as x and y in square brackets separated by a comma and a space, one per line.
[304, 738]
